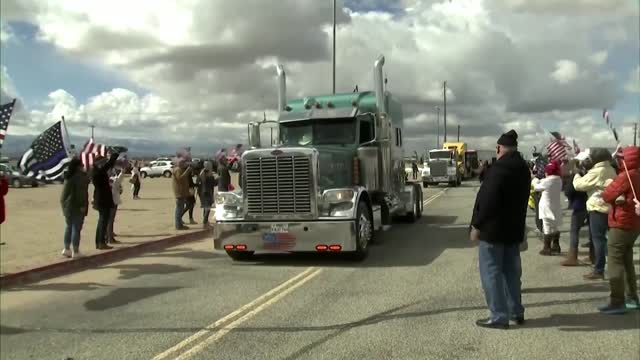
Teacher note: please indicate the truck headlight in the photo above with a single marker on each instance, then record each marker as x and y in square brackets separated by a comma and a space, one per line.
[451, 171]
[426, 171]
[228, 198]
[338, 196]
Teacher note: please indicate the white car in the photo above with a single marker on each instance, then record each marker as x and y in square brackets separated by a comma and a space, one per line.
[157, 169]
[162, 159]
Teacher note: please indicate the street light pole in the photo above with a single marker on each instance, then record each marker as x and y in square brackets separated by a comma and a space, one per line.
[444, 93]
[438, 125]
[92, 128]
[334, 47]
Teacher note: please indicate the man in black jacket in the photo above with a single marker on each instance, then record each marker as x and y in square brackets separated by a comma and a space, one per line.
[103, 197]
[498, 226]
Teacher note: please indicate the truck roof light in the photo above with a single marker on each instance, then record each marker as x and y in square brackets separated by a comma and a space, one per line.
[330, 104]
[318, 105]
[288, 108]
[354, 102]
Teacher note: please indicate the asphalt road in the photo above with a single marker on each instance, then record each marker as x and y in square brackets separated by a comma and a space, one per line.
[416, 297]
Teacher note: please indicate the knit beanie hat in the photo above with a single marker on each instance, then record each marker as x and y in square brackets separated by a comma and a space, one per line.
[510, 138]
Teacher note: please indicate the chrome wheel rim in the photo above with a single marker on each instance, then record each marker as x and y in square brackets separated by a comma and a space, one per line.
[364, 231]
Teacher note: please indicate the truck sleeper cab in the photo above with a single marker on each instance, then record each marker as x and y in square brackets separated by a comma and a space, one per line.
[335, 177]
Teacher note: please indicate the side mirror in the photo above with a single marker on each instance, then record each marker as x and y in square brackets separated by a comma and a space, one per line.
[254, 135]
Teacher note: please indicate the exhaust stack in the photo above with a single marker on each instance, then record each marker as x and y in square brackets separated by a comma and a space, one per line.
[378, 83]
[282, 88]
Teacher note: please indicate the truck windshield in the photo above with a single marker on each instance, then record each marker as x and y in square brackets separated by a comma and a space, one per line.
[318, 132]
[440, 155]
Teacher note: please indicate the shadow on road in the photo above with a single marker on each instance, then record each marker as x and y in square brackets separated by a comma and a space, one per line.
[185, 253]
[142, 236]
[585, 322]
[123, 296]
[131, 271]
[593, 287]
[415, 244]
[133, 210]
[59, 287]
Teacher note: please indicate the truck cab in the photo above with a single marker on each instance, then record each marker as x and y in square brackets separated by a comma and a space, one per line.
[334, 178]
[460, 149]
[441, 167]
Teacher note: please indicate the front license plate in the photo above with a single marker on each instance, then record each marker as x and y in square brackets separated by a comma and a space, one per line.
[279, 228]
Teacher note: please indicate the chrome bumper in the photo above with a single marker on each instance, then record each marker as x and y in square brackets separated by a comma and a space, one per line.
[434, 179]
[302, 236]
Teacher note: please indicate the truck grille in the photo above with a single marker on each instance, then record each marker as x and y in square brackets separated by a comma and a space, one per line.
[438, 168]
[278, 185]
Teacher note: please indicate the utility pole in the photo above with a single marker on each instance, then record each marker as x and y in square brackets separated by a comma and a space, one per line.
[92, 128]
[458, 133]
[635, 134]
[444, 93]
[334, 47]
[438, 125]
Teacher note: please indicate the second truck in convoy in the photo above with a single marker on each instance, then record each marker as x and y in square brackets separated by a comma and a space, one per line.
[335, 178]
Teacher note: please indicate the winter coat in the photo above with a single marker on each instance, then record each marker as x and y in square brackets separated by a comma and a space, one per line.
[593, 183]
[181, 183]
[4, 189]
[74, 199]
[102, 196]
[577, 199]
[116, 188]
[500, 209]
[623, 215]
[550, 201]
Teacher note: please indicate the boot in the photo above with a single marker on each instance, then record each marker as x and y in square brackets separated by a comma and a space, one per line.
[555, 247]
[572, 258]
[546, 250]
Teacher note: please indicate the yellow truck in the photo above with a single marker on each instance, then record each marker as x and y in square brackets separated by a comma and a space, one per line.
[460, 148]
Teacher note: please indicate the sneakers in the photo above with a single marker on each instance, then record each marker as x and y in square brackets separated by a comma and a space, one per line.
[609, 309]
[76, 254]
[66, 253]
[593, 276]
[182, 228]
[192, 222]
[490, 324]
[633, 304]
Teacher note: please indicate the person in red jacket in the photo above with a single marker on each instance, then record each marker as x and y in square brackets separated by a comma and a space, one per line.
[624, 224]
[4, 189]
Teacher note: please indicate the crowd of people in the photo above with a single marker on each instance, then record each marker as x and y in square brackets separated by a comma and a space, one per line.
[600, 187]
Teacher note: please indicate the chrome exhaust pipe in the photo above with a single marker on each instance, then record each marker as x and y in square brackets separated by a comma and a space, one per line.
[378, 83]
[282, 88]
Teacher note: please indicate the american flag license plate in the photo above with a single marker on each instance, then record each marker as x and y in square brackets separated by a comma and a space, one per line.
[278, 241]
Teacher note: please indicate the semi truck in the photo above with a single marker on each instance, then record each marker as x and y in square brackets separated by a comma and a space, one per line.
[460, 150]
[333, 180]
[441, 167]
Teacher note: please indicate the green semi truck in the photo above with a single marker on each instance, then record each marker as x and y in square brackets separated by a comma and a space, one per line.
[334, 178]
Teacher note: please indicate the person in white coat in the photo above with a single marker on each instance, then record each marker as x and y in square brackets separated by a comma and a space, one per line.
[550, 207]
[116, 191]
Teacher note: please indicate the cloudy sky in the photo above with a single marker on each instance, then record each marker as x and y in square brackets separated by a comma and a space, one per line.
[156, 74]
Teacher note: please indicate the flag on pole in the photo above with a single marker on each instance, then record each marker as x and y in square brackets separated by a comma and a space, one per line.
[5, 114]
[576, 149]
[47, 157]
[90, 151]
[607, 119]
[558, 148]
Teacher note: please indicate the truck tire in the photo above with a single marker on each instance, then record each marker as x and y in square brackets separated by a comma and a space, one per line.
[167, 174]
[240, 255]
[416, 213]
[364, 232]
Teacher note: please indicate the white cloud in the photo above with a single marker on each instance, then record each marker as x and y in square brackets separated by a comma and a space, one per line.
[566, 71]
[208, 64]
[599, 58]
[633, 84]
[6, 34]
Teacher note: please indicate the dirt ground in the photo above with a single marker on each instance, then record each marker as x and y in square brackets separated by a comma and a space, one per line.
[34, 229]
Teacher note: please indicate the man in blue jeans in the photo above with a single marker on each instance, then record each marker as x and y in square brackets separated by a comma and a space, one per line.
[498, 226]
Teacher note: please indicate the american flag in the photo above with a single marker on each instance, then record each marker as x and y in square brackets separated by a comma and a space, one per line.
[90, 151]
[47, 158]
[557, 149]
[576, 149]
[607, 119]
[5, 114]
[279, 241]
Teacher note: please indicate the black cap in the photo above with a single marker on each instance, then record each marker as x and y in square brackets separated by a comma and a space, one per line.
[509, 139]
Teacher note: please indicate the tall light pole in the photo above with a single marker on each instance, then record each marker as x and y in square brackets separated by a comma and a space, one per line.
[444, 93]
[334, 47]
[92, 128]
[438, 126]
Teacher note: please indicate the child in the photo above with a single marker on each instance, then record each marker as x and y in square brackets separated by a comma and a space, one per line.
[550, 207]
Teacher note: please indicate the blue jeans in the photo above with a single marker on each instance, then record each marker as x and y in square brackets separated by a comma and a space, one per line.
[180, 205]
[578, 219]
[103, 225]
[599, 225]
[500, 272]
[72, 231]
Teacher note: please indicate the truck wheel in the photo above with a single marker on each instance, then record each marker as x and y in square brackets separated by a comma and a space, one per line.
[364, 232]
[240, 255]
[143, 174]
[167, 174]
[416, 211]
[425, 184]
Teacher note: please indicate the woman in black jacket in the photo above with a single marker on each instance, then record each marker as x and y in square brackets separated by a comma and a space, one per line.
[103, 197]
[74, 201]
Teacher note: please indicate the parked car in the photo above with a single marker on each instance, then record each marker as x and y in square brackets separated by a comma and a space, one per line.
[160, 159]
[157, 169]
[15, 178]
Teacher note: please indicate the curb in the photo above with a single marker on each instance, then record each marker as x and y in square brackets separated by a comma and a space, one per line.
[72, 266]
